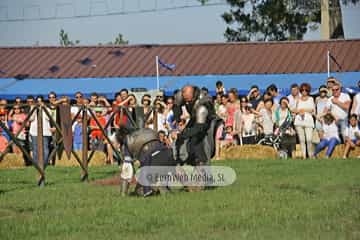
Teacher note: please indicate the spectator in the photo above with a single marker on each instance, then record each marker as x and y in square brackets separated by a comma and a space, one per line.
[352, 135]
[17, 100]
[93, 99]
[272, 90]
[339, 105]
[18, 117]
[329, 84]
[169, 114]
[220, 87]
[232, 106]
[227, 138]
[283, 122]
[47, 133]
[217, 102]
[329, 136]
[248, 126]
[29, 103]
[222, 111]
[121, 100]
[294, 96]
[96, 135]
[267, 117]
[3, 142]
[304, 122]
[79, 98]
[77, 134]
[254, 96]
[321, 102]
[355, 109]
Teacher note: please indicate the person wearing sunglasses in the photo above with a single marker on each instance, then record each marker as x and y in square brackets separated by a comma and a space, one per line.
[339, 105]
[321, 102]
[304, 122]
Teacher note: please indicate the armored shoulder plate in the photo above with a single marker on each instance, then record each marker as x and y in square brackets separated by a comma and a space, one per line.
[201, 114]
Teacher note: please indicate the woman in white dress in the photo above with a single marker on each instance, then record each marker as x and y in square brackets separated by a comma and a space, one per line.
[304, 122]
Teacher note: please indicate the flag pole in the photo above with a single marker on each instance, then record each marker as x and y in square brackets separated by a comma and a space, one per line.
[328, 63]
[157, 73]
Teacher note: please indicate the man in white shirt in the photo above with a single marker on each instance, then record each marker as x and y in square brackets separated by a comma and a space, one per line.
[339, 105]
[294, 96]
[47, 133]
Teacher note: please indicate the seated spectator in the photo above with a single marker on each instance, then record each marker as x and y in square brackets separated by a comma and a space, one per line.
[355, 109]
[227, 139]
[352, 135]
[339, 105]
[329, 136]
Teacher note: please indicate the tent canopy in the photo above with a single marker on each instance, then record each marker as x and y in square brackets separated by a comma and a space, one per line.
[10, 87]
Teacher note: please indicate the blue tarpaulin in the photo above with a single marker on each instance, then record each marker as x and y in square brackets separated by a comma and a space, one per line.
[10, 88]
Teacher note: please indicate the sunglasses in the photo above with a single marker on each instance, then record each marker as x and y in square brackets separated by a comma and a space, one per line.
[52, 97]
[78, 96]
[304, 90]
[336, 89]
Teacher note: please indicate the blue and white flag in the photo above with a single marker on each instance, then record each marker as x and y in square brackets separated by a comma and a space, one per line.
[168, 66]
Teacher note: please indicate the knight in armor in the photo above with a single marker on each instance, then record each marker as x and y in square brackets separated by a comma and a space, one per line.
[195, 143]
[144, 145]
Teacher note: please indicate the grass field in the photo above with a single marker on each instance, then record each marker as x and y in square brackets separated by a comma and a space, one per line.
[274, 199]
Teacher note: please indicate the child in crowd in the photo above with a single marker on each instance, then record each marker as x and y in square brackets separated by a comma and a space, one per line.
[352, 135]
[96, 135]
[227, 138]
[329, 136]
[77, 134]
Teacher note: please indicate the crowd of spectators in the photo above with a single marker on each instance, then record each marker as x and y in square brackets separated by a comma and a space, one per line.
[315, 121]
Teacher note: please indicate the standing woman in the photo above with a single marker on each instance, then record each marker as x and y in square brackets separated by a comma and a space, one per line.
[304, 122]
[233, 105]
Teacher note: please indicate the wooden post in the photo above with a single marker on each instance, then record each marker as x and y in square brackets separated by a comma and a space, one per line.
[40, 145]
[85, 142]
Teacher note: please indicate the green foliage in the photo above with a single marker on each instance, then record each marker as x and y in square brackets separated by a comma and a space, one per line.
[271, 199]
[65, 40]
[267, 20]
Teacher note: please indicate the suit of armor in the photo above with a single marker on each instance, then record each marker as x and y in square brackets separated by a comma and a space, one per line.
[195, 133]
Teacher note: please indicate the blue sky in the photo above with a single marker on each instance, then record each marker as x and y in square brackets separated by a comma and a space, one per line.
[191, 25]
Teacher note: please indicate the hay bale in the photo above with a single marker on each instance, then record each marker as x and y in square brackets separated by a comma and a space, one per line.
[12, 160]
[249, 152]
[339, 151]
[97, 160]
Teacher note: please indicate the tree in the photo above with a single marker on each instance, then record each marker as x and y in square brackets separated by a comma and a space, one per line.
[119, 40]
[65, 40]
[278, 20]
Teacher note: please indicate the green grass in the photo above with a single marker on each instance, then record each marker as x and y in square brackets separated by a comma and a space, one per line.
[274, 199]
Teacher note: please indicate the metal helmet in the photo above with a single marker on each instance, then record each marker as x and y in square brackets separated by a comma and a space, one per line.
[137, 139]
